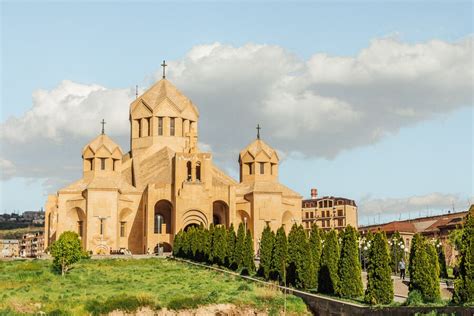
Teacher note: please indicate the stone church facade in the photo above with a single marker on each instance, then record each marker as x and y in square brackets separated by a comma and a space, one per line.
[141, 199]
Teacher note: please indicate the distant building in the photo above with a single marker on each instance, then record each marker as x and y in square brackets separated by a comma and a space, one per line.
[329, 212]
[32, 245]
[432, 227]
[9, 248]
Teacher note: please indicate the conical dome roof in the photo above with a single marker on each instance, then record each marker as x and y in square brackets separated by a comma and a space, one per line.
[258, 146]
[102, 141]
[160, 91]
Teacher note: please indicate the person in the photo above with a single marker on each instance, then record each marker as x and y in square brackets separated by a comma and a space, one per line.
[401, 266]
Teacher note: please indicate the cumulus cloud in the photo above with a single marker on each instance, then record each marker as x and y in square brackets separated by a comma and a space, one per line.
[414, 204]
[7, 168]
[313, 108]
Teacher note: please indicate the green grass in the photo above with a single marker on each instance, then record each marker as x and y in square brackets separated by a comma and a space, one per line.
[99, 286]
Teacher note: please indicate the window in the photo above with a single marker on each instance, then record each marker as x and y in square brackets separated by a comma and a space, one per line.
[250, 168]
[159, 221]
[114, 164]
[198, 171]
[320, 204]
[323, 223]
[306, 215]
[149, 127]
[102, 163]
[340, 222]
[312, 214]
[79, 228]
[172, 121]
[102, 226]
[330, 203]
[340, 212]
[188, 167]
[160, 126]
[90, 163]
[262, 167]
[325, 203]
[122, 229]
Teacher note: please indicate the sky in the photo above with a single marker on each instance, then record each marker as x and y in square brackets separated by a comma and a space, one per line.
[371, 101]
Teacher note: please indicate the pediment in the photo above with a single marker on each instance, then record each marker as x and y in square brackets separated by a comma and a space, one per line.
[142, 110]
[88, 153]
[166, 108]
[103, 151]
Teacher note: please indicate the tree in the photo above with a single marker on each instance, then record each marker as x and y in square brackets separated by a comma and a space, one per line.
[316, 248]
[231, 239]
[464, 284]
[443, 271]
[279, 258]
[266, 250]
[177, 244]
[295, 273]
[219, 250]
[422, 268]
[248, 257]
[350, 281]
[328, 277]
[66, 251]
[210, 244]
[379, 281]
[239, 245]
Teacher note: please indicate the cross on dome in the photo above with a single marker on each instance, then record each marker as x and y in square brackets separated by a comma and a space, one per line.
[103, 125]
[258, 131]
[164, 66]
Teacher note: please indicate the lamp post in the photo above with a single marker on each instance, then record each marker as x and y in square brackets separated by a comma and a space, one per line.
[245, 224]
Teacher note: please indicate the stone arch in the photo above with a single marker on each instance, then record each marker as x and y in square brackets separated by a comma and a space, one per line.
[240, 218]
[220, 213]
[166, 247]
[162, 215]
[78, 217]
[194, 217]
[287, 221]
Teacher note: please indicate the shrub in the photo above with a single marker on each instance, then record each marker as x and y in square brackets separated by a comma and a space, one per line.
[66, 251]
[379, 282]
[123, 302]
[414, 298]
[464, 284]
[423, 269]
[327, 277]
[219, 249]
[350, 281]
[266, 251]
[231, 239]
[279, 258]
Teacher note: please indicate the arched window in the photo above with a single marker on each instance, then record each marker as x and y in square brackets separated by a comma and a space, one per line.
[172, 126]
[188, 166]
[159, 220]
[262, 167]
[160, 126]
[198, 171]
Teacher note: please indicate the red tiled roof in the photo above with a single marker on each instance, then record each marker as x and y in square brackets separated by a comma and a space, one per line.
[406, 227]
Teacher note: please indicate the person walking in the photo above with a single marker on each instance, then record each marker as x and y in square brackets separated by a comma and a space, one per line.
[401, 266]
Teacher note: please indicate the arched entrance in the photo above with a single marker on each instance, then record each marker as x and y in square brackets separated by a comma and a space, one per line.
[80, 223]
[162, 217]
[166, 247]
[244, 218]
[194, 217]
[189, 226]
[220, 213]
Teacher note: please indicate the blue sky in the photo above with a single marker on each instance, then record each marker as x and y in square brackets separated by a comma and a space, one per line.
[118, 45]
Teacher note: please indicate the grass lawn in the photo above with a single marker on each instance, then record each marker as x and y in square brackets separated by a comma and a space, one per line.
[100, 286]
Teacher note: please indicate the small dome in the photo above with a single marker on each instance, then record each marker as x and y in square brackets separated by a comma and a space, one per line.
[259, 146]
[102, 143]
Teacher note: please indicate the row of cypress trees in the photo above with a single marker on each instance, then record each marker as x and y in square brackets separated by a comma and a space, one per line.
[217, 245]
[464, 283]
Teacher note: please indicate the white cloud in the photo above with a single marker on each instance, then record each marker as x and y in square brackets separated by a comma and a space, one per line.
[415, 204]
[7, 168]
[315, 107]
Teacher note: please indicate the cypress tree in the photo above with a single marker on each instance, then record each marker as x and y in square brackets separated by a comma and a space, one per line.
[464, 284]
[397, 250]
[219, 245]
[350, 280]
[379, 281]
[265, 251]
[210, 244]
[185, 246]
[316, 248]
[279, 258]
[422, 266]
[309, 273]
[193, 241]
[294, 271]
[231, 239]
[443, 271]
[327, 277]
[248, 263]
[177, 244]
[239, 246]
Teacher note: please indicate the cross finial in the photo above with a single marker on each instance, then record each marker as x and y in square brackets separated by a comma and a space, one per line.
[103, 125]
[136, 92]
[164, 65]
[258, 131]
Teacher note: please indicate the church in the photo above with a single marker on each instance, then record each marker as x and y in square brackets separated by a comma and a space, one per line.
[138, 200]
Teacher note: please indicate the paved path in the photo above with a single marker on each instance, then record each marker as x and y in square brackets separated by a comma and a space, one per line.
[400, 289]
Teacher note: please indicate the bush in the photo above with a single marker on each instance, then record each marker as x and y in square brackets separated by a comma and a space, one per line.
[379, 281]
[239, 245]
[464, 284]
[231, 239]
[265, 252]
[350, 281]
[415, 298]
[299, 258]
[66, 251]
[328, 272]
[219, 249]
[279, 258]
